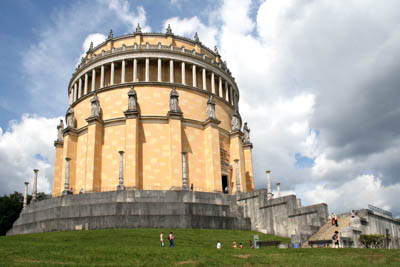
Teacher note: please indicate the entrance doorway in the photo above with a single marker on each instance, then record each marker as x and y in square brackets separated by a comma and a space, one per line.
[225, 187]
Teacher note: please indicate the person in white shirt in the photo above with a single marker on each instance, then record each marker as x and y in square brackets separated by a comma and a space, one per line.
[218, 245]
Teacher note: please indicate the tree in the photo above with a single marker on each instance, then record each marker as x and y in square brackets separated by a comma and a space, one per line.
[372, 241]
[10, 208]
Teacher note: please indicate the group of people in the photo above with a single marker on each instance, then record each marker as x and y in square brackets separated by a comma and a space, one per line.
[171, 238]
[234, 245]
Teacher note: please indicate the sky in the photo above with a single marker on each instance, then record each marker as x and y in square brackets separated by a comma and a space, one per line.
[319, 84]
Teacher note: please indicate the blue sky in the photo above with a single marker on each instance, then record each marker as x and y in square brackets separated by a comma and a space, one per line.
[318, 82]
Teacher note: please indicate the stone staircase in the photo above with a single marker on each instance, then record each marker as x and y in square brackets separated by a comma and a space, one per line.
[327, 230]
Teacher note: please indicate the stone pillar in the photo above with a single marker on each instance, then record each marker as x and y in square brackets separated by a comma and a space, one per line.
[194, 76]
[204, 79]
[112, 73]
[58, 168]
[159, 70]
[135, 70]
[26, 195]
[121, 171]
[236, 152]
[212, 82]
[93, 153]
[175, 143]
[132, 149]
[71, 93]
[220, 86]
[80, 87]
[102, 77]
[269, 191]
[230, 90]
[298, 200]
[183, 73]
[147, 72]
[75, 92]
[171, 71]
[278, 188]
[85, 88]
[34, 189]
[93, 80]
[237, 176]
[184, 171]
[67, 170]
[123, 71]
[226, 91]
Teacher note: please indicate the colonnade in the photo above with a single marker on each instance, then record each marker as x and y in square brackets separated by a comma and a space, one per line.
[86, 83]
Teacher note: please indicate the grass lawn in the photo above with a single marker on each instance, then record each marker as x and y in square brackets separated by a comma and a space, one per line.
[140, 247]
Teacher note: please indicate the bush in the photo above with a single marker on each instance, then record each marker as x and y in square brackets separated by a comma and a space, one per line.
[372, 241]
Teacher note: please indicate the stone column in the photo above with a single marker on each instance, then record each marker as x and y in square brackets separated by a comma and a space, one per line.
[75, 92]
[80, 87]
[237, 176]
[204, 79]
[93, 80]
[212, 82]
[85, 88]
[298, 200]
[102, 77]
[66, 183]
[226, 91]
[212, 157]
[230, 90]
[184, 171]
[194, 76]
[123, 71]
[34, 189]
[171, 71]
[112, 73]
[135, 70]
[71, 96]
[147, 74]
[159, 69]
[26, 195]
[183, 73]
[220, 87]
[278, 188]
[269, 191]
[121, 171]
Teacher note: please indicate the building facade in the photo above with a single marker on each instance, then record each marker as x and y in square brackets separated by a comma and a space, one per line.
[152, 111]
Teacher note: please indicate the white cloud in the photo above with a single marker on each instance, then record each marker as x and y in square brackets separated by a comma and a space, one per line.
[27, 144]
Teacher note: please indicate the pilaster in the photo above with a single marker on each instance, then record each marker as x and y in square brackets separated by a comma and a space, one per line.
[58, 164]
[248, 160]
[69, 151]
[175, 141]
[212, 156]
[93, 158]
[236, 152]
[132, 150]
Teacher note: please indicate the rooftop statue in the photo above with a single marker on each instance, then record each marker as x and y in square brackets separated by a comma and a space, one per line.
[246, 134]
[60, 128]
[138, 29]
[169, 30]
[132, 100]
[236, 121]
[174, 100]
[70, 118]
[211, 109]
[95, 109]
[110, 35]
[196, 38]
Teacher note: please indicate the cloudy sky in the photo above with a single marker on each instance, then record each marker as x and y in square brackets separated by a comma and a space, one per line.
[319, 82]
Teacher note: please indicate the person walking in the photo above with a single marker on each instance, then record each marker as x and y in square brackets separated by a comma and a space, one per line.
[219, 245]
[333, 218]
[171, 240]
[336, 220]
[162, 239]
[335, 240]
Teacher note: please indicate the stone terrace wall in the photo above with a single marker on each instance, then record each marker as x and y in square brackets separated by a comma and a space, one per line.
[282, 216]
[130, 209]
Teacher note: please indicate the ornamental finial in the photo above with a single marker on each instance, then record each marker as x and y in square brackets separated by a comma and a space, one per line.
[138, 29]
[216, 50]
[110, 35]
[169, 30]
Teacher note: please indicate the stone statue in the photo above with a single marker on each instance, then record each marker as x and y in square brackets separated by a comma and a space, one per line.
[132, 100]
[95, 109]
[110, 35]
[60, 128]
[236, 121]
[70, 118]
[169, 30]
[216, 50]
[211, 109]
[246, 134]
[138, 29]
[174, 100]
[196, 38]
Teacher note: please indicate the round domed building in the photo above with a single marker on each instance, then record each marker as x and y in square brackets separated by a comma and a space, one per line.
[152, 111]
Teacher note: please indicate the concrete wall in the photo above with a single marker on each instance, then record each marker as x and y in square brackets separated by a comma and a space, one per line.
[370, 222]
[132, 208]
[281, 216]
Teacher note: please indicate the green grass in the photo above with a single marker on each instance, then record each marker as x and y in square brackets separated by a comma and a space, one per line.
[140, 247]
